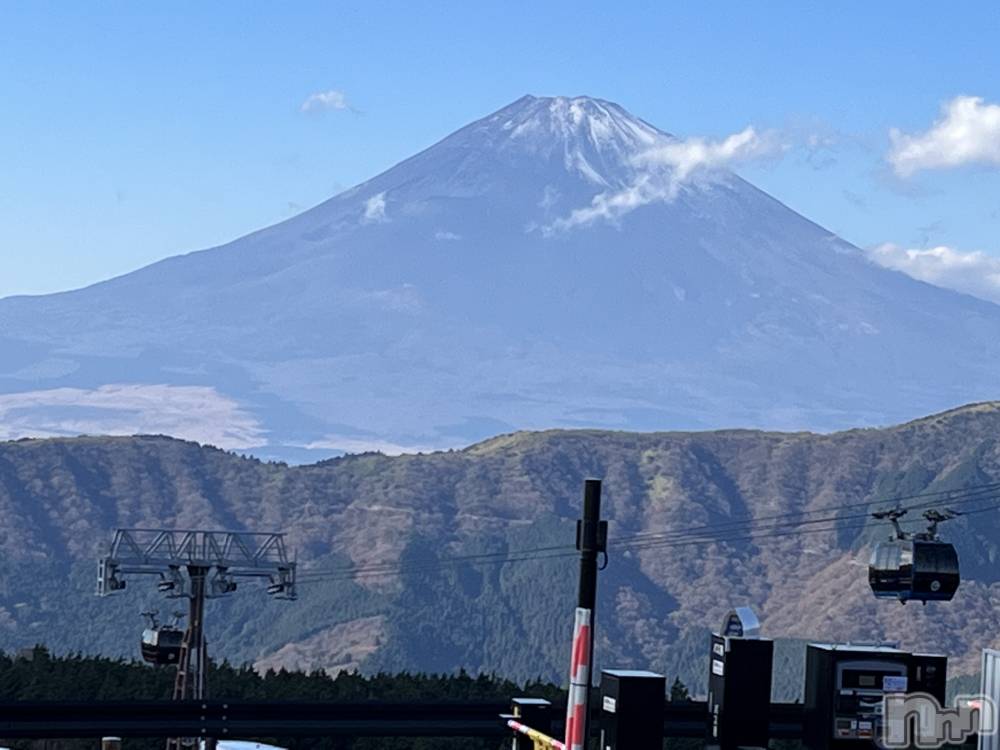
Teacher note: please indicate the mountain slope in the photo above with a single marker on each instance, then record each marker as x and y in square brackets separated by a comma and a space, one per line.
[60, 498]
[451, 298]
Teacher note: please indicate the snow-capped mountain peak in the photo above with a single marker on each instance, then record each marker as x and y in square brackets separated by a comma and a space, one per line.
[601, 124]
[593, 138]
[556, 263]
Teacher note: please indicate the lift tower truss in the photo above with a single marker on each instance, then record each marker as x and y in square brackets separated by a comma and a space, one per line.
[196, 565]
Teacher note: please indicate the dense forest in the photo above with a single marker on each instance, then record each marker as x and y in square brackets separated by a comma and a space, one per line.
[36, 675]
[39, 675]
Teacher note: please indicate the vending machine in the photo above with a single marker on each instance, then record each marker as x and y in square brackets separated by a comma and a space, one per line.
[846, 685]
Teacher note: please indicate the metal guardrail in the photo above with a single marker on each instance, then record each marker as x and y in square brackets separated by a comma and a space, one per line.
[684, 720]
[222, 719]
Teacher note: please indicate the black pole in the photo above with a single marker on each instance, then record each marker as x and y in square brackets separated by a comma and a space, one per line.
[591, 539]
[587, 543]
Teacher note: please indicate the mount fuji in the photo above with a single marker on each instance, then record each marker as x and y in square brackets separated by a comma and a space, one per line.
[534, 269]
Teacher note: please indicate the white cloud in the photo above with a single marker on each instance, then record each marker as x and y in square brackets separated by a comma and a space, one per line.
[550, 196]
[323, 101]
[346, 444]
[447, 236]
[375, 209]
[968, 132]
[684, 157]
[976, 273]
[663, 170]
[188, 412]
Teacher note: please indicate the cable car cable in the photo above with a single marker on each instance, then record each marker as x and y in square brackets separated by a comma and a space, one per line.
[969, 495]
[752, 524]
[960, 497]
[693, 542]
[634, 543]
[393, 568]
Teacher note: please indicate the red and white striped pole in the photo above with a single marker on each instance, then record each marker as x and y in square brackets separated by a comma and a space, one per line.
[591, 538]
[577, 705]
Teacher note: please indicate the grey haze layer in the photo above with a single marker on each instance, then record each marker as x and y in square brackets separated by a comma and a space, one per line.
[460, 294]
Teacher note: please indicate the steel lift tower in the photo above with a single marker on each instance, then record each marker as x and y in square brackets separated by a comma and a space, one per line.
[196, 565]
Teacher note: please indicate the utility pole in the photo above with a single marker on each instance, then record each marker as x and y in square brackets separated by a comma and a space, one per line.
[591, 540]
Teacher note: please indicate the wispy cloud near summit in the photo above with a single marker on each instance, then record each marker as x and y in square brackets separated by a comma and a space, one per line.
[683, 157]
[664, 169]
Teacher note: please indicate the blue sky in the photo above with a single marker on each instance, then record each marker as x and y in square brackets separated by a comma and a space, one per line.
[130, 132]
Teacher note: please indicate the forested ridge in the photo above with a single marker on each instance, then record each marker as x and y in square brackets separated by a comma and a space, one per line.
[61, 498]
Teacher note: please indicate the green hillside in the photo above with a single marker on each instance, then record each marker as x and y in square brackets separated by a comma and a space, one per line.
[60, 499]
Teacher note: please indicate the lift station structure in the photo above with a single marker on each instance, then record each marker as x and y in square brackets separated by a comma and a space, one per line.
[196, 565]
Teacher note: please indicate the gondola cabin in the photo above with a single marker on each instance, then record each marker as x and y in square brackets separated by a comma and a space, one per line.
[911, 569]
[161, 645]
[914, 567]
